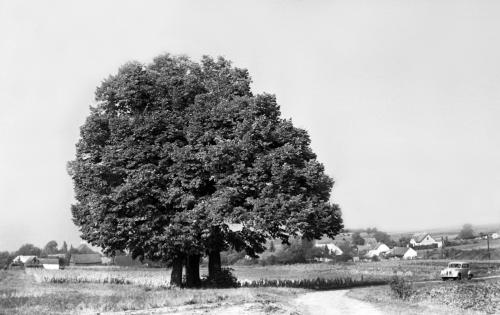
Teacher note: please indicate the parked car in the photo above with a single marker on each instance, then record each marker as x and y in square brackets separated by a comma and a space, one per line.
[457, 270]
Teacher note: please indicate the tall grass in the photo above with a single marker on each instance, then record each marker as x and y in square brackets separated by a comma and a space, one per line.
[314, 284]
[147, 278]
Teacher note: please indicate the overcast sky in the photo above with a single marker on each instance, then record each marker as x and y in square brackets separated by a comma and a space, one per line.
[401, 98]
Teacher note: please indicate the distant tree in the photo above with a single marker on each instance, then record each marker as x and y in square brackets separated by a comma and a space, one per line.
[404, 241]
[175, 152]
[371, 230]
[357, 239]
[29, 250]
[348, 249]
[64, 248]
[50, 248]
[383, 237]
[5, 259]
[466, 233]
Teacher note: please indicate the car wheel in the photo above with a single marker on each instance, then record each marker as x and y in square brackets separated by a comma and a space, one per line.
[459, 276]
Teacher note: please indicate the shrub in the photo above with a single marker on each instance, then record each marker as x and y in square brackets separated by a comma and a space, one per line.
[223, 279]
[314, 284]
[402, 288]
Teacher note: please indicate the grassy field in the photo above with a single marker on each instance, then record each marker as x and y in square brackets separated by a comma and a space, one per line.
[384, 270]
[20, 293]
[93, 290]
[458, 297]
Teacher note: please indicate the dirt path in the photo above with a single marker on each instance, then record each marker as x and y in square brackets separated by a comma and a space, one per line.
[334, 302]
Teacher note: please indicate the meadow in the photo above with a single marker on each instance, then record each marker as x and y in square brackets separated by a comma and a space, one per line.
[107, 289]
[452, 297]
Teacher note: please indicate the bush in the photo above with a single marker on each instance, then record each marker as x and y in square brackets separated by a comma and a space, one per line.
[314, 284]
[223, 279]
[402, 288]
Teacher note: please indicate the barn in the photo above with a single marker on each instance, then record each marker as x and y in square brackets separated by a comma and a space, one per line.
[85, 259]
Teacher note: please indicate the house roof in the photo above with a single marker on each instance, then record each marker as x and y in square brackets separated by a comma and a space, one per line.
[25, 259]
[56, 256]
[49, 261]
[85, 258]
[398, 251]
[381, 244]
[419, 237]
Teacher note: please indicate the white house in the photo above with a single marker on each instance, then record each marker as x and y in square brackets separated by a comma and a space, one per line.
[50, 263]
[26, 261]
[424, 239]
[380, 249]
[332, 248]
[495, 236]
[403, 253]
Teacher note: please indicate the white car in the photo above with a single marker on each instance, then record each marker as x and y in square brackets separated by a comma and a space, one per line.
[457, 270]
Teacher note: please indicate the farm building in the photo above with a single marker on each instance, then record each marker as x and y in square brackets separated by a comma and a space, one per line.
[26, 261]
[332, 248]
[50, 263]
[379, 250]
[402, 253]
[85, 259]
[424, 239]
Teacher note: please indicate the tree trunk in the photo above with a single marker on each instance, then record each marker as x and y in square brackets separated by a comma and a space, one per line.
[214, 264]
[193, 271]
[176, 275]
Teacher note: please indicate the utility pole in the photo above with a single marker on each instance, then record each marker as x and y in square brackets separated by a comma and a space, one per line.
[442, 248]
[488, 242]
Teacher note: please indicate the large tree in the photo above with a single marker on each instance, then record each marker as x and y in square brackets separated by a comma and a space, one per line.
[50, 248]
[179, 159]
[29, 250]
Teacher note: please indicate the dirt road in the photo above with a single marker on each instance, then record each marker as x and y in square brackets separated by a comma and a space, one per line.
[334, 302]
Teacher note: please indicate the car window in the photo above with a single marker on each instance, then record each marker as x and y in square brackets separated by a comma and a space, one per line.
[454, 265]
[465, 266]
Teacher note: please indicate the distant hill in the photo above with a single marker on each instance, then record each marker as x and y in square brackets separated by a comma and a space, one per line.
[450, 231]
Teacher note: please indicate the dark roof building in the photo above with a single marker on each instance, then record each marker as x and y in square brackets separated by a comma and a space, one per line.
[85, 259]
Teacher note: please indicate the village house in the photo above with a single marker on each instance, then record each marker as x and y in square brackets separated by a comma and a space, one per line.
[495, 236]
[85, 259]
[26, 261]
[424, 239]
[50, 263]
[332, 248]
[402, 253]
[381, 249]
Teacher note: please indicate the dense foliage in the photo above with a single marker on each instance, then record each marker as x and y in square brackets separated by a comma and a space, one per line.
[466, 232]
[179, 159]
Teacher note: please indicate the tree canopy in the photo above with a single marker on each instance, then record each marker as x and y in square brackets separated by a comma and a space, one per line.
[467, 232]
[179, 159]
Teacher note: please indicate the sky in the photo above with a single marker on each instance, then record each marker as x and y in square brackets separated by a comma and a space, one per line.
[400, 98]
